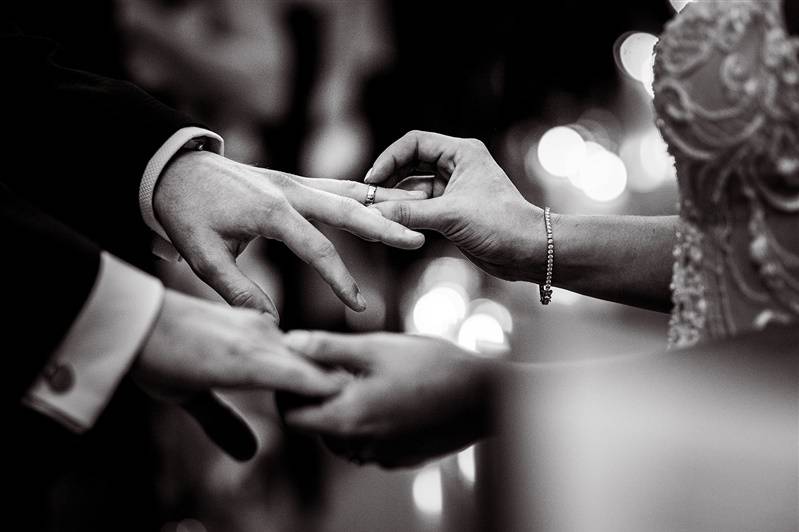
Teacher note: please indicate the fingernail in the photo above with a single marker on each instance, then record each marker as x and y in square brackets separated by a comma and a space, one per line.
[421, 194]
[417, 239]
[297, 340]
[374, 210]
[361, 301]
[368, 174]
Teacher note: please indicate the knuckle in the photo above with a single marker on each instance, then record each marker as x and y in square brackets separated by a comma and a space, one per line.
[276, 206]
[324, 251]
[241, 345]
[205, 268]
[315, 343]
[475, 144]
[412, 135]
[240, 297]
[402, 213]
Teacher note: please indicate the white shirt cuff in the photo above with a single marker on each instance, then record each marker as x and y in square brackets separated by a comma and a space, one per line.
[162, 247]
[100, 347]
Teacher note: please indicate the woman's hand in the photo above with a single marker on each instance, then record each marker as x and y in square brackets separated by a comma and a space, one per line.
[410, 398]
[212, 208]
[473, 202]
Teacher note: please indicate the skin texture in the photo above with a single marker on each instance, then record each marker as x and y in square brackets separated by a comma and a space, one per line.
[414, 398]
[197, 345]
[409, 398]
[212, 208]
[474, 204]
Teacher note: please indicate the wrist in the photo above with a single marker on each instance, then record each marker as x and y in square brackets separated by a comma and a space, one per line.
[532, 244]
[185, 163]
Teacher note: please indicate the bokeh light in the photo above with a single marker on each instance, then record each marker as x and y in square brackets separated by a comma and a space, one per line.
[450, 270]
[603, 176]
[481, 333]
[648, 160]
[466, 464]
[439, 310]
[498, 311]
[583, 171]
[635, 56]
[560, 151]
[655, 157]
[427, 491]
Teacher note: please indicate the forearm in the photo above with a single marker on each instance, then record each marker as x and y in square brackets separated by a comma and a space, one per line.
[626, 259]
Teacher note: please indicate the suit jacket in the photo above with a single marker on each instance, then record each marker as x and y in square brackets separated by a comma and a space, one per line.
[75, 150]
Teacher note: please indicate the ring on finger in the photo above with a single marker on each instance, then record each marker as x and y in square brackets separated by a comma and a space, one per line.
[370, 195]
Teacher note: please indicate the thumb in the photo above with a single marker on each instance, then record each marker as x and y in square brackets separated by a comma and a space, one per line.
[419, 214]
[217, 268]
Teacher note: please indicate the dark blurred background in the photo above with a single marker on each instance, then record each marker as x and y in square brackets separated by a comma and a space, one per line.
[557, 90]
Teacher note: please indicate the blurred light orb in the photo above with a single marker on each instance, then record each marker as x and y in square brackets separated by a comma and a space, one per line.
[635, 52]
[481, 333]
[498, 311]
[648, 161]
[648, 76]
[466, 464]
[636, 56]
[560, 151]
[656, 161]
[678, 5]
[603, 176]
[438, 311]
[427, 491]
[450, 271]
[583, 171]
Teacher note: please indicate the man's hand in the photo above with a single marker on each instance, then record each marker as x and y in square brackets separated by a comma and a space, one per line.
[410, 399]
[212, 208]
[197, 345]
[473, 203]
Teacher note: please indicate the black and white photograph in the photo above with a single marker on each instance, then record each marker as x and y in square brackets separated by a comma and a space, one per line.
[401, 265]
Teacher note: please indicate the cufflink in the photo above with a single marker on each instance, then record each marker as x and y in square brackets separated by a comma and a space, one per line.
[59, 377]
[196, 144]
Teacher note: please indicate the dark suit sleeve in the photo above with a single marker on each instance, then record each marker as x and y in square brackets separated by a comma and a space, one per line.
[80, 143]
[74, 151]
[48, 271]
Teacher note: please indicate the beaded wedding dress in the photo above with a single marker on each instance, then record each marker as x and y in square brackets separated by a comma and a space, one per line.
[727, 103]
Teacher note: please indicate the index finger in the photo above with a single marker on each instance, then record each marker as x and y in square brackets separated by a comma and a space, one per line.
[313, 248]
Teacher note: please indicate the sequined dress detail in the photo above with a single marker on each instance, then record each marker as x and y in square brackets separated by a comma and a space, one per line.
[727, 103]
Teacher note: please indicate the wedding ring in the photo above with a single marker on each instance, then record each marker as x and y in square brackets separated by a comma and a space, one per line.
[370, 195]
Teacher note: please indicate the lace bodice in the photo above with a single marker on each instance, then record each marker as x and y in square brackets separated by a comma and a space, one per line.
[727, 102]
